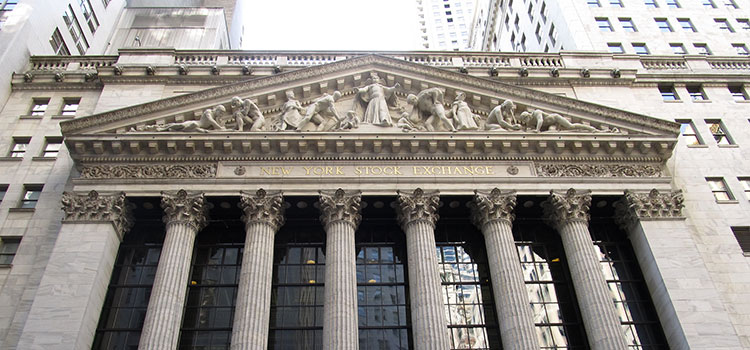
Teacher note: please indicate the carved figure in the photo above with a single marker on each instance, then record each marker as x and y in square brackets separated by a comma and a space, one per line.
[427, 112]
[204, 124]
[503, 117]
[290, 112]
[321, 112]
[351, 121]
[539, 121]
[462, 115]
[245, 111]
[375, 99]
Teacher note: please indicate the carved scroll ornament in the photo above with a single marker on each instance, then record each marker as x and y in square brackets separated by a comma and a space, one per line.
[95, 207]
[492, 206]
[598, 170]
[418, 206]
[263, 207]
[185, 208]
[156, 171]
[340, 206]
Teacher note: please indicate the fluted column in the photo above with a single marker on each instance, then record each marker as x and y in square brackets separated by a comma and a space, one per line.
[264, 214]
[493, 214]
[569, 214]
[184, 215]
[417, 214]
[340, 214]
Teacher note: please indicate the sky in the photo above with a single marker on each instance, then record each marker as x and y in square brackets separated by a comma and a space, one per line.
[330, 25]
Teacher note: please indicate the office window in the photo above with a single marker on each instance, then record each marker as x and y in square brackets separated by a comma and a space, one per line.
[709, 4]
[616, 3]
[651, 3]
[52, 147]
[448, 13]
[8, 249]
[668, 93]
[730, 4]
[738, 93]
[543, 12]
[744, 23]
[719, 189]
[538, 32]
[678, 49]
[75, 30]
[450, 20]
[593, 3]
[552, 34]
[673, 4]
[742, 234]
[89, 15]
[640, 48]
[9, 5]
[719, 131]
[603, 24]
[58, 44]
[741, 49]
[3, 191]
[723, 25]
[20, 145]
[663, 24]
[39, 106]
[702, 49]
[531, 8]
[515, 23]
[745, 181]
[696, 93]
[615, 48]
[70, 106]
[688, 133]
[628, 25]
[106, 2]
[31, 195]
[507, 21]
[686, 24]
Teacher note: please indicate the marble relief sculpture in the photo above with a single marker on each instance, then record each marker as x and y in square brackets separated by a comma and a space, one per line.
[372, 102]
[322, 112]
[426, 112]
[463, 118]
[207, 122]
[245, 111]
[291, 113]
[538, 121]
[502, 117]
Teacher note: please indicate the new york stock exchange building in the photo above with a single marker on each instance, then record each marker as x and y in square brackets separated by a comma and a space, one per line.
[356, 201]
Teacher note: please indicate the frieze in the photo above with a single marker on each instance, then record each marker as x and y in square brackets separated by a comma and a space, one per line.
[598, 170]
[95, 207]
[149, 171]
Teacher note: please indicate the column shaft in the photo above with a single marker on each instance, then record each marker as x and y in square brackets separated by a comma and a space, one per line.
[340, 311]
[514, 313]
[429, 327]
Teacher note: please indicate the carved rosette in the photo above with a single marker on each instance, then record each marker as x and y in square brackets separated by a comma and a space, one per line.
[493, 206]
[263, 207]
[94, 207]
[340, 206]
[635, 206]
[419, 206]
[562, 208]
[185, 208]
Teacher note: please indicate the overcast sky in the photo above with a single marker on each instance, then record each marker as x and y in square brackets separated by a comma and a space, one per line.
[331, 25]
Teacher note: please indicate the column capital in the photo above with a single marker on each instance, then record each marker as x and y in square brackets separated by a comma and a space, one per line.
[493, 206]
[340, 206]
[562, 208]
[95, 207]
[418, 206]
[636, 206]
[186, 208]
[263, 207]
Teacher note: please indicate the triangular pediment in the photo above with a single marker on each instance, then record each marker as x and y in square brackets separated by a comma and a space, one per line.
[370, 124]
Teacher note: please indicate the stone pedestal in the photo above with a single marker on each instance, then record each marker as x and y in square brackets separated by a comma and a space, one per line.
[264, 214]
[340, 215]
[493, 214]
[569, 214]
[71, 293]
[184, 215]
[417, 214]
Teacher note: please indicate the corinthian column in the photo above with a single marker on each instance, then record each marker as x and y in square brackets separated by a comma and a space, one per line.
[340, 214]
[71, 293]
[569, 214]
[184, 215]
[493, 214]
[264, 214]
[417, 214]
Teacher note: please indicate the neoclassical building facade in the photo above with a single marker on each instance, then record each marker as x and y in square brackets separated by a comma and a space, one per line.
[358, 201]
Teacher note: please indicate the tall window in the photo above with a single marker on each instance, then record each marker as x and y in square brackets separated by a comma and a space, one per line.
[58, 44]
[133, 275]
[89, 15]
[687, 132]
[52, 147]
[719, 189]
[663, 24]
[696, 93]
[628, 25]
[465, 275]
[75, 30]
[70, 106]
[8, 249]
[719, 131]
[20, 145]
[382, 292]
[39, 106]
[297, 294]
[742, 234]
[3, 192]
[686, 24]
[31, 195]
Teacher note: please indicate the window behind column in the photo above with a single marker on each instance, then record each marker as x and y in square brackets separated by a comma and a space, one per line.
[297, 294]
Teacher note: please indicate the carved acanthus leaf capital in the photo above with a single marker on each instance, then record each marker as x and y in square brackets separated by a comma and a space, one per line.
[263, 207]
[492, 206]
[95, 207]
[562, 208]
[419, 206]
[340, 206]
[185, 208]
[635, 206]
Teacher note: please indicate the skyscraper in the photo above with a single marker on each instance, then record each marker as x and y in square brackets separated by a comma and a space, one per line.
[444, 25]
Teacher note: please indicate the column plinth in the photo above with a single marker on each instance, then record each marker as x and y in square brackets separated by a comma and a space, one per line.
[493, 214]
[184, 215]
[417, 214]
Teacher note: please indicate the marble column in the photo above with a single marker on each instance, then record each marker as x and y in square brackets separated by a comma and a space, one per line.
[417, 214]
[569, 214]
[264, 214]
[493, 214]
[184, 215]
[340, 215]
[71, 293]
